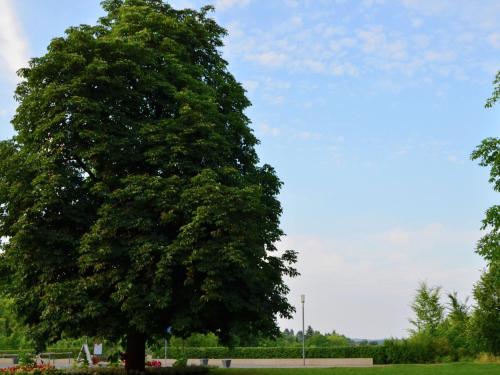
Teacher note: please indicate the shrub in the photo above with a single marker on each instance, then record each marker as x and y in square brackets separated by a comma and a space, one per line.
[487, 358]
[27, 359]
[419, 349]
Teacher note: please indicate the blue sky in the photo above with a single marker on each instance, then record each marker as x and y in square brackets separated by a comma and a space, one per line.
[369, 111]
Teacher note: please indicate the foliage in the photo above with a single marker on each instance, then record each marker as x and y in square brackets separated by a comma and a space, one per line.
[485, 323]
[420, 348]
[429, 312]
[12, 333]
[440, 332]
[27, 359]
[132, 194]
[181, 361]
[195, 340]
[30, 370]
[456, 327]
[285, 338]
[496, 92]
[487, 358]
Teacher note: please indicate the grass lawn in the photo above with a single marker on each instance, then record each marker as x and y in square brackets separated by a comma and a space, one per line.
[440, 369]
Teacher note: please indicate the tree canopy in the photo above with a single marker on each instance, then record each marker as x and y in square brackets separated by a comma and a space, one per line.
[131, 195]
[486, 317]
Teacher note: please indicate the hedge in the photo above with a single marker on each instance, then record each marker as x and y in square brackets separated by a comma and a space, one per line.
[60, 352]
[375, 352]
[425, 350]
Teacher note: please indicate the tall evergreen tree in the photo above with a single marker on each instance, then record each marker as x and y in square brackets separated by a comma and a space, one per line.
[131, 195]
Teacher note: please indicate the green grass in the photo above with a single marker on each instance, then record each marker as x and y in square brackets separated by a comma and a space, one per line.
[439, 369]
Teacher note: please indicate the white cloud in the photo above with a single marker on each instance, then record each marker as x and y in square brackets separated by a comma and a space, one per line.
[398, 58]
[375, 41]
[250, 85]
[440, 56]
[14, 47]
[308, 135]
[344, 69]
[478, 14]
[372, 39]
[296, 22]
[269, 58]
[182, 4]
[342, 43]
[428, 7]
[226, 4]
[265, 129]
[397, 237]
[313, 65]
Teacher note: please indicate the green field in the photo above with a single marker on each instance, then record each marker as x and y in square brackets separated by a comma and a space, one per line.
[440, 369]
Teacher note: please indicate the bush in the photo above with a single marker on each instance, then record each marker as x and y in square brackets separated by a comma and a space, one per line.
[27, 359]
[487, 358]
[419, 349]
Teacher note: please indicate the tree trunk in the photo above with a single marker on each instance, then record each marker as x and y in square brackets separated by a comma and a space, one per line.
[136, 351]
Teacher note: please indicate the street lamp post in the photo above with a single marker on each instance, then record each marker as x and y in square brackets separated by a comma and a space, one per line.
[303, 300]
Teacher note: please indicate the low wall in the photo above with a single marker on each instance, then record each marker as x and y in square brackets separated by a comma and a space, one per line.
[285, 362]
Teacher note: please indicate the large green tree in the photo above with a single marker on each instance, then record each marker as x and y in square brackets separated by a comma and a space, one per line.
[131, 195]
[486, 317]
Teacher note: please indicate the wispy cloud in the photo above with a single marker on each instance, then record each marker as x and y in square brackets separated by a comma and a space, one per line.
[226, 4]
[315, 40]
[268, 58]
[14, 47]
[265, 129]
[375, 41]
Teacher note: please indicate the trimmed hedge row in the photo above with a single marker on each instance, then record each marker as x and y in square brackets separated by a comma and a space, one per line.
[375, 352]
[393, 351]
[60, 352]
